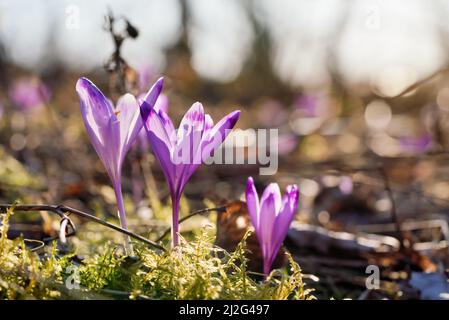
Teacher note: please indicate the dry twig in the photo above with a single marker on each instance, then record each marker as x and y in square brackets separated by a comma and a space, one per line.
[202, 211]
[64, 211]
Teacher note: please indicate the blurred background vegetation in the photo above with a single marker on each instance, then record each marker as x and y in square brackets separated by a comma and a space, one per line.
[330, 75]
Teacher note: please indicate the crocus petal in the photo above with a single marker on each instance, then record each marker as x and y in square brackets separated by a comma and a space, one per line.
[96, 109]
[189, 139]
[198, 157]
[287, 212]
[94, 100]
[150, 99]
[168, 125]
[272, 189]
[101, 125]
[161, 103]
[128, 115]
[161, 146]
[252, 202]
[208, 124]
[161, 108]
[156, 125]
[193, 120]
[217, 134]
[267, 218]
[111, 152]
[285, 217]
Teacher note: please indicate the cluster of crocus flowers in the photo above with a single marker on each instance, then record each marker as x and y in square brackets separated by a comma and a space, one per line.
[112, 131]
[271, 217]
[180, 152]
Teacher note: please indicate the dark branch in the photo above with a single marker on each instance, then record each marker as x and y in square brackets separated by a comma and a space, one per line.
[118, 68]
[62, 212]
[202, 211]
[394, 213]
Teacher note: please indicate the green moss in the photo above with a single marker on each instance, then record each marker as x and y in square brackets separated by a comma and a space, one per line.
[195, 270]
[25, 275]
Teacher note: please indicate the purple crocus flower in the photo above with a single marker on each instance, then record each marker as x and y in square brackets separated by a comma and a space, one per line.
[181, 152]
[161, 104]
[271, 217]
[141, 147]
[112, 131]
[29, 93]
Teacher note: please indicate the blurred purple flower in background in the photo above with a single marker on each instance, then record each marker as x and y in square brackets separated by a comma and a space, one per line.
[271, 113]
[418, 144]
[146, 75]
[310, 112]
[271, 217]
[112, 131]
[197, 139]
[287, 143]
[346, 185]
[307, 103]
[29, 93]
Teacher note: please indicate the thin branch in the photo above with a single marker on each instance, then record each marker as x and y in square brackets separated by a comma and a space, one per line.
[420, 82]
[394, 213]
[202, 211]
[116, 64]
[61, 211]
